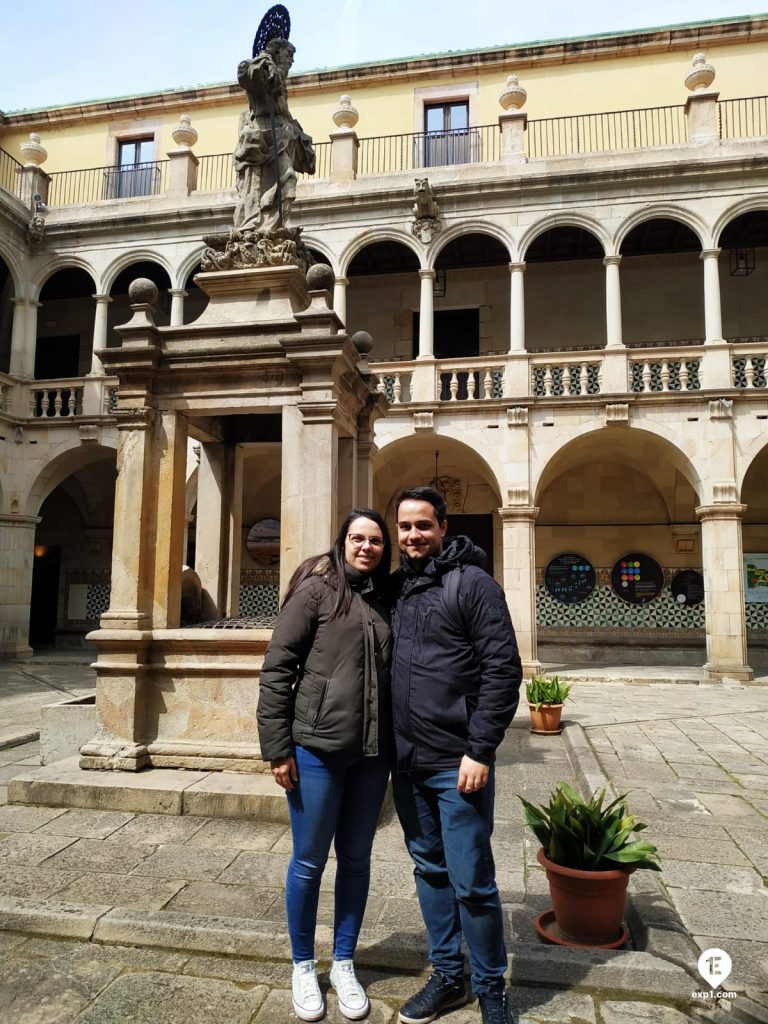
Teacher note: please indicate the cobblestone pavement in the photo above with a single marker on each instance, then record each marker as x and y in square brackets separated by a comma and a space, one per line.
[118, 917]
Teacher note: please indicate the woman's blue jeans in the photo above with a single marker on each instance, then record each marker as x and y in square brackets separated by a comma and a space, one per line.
[448, 835]
[338, 798]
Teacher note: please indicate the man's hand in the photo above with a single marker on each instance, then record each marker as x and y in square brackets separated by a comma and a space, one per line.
[472, 775]
[284, 772]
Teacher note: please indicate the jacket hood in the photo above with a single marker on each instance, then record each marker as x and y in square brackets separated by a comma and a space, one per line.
[456, 551]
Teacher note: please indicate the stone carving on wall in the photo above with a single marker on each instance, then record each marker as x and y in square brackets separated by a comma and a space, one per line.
[272, 149]
[452, 489]
[36, 229]
[426, 212]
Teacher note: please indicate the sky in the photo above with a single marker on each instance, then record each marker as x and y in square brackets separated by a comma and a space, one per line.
[67, 51]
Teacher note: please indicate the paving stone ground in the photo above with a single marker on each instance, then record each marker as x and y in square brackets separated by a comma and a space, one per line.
[176, 917]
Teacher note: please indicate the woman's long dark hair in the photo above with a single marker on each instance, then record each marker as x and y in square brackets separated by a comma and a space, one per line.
[337, 558]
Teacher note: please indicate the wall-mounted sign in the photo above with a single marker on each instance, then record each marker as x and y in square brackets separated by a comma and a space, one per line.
[637, 578]
[756, 578]
[569, 578]
[688, 587]
[263, 542]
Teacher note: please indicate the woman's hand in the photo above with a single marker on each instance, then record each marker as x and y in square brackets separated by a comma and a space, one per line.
[284, 772]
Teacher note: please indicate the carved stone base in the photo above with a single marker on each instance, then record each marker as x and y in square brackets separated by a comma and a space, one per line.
[112, 754]
[241, 250]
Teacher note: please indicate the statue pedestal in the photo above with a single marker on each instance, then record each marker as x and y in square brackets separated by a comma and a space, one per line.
[252, 296]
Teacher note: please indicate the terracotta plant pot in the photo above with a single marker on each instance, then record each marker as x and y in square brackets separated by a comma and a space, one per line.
[588, 905]
[547, 719]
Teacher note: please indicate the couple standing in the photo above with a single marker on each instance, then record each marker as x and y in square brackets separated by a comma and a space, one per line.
[333, 726]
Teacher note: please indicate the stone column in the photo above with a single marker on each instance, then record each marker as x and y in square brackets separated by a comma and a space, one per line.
[713, 322]
[518, 536]
[234, 463]
[513, 127]
[340, 298]
[427, 314]
[517, 307]
[177, 306]
[613, 330]
[211, 536]
[17, 546]
[99, 332]
[347, 476]
[309, 486]
[723, 565]
[168, 468]
[24, 337]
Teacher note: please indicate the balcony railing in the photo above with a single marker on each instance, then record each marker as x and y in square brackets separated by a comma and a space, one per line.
[9, 173]
[743, 118]
[599, 133]
[216, 173]
[56, 399]
[750, 364]
[389, 153]
[652, 374]
[96, 183]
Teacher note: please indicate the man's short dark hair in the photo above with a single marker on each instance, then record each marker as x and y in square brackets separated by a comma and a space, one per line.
[429, 494]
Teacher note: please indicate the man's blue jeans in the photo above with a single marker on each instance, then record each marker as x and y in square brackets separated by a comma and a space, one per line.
[338, 799]
[448, 835]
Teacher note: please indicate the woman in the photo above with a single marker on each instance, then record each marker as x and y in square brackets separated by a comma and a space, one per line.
[324, 724]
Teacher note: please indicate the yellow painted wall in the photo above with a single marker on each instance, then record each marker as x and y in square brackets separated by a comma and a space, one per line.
[387, 108]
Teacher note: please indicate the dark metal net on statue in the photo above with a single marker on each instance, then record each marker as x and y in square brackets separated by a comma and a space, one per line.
[276, 24]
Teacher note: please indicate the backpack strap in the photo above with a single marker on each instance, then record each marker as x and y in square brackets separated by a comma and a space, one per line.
[450, 595]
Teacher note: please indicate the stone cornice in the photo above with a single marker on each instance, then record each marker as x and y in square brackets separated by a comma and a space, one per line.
[685, 38]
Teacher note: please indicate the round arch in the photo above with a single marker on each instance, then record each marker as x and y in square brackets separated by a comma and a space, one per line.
[52, 267]
[664, 211]
[14, 269]
[750, 204]
[563, 220]
[68, 460]
[185, 268]
[127, 259]
[371, 237]
[312, 242]
[467, 227]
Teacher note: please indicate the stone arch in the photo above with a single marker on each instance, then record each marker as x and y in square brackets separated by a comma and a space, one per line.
[664, 211]
[65, 323]
[564, 220]
[468, 227]
[53, 266]
[371, 237]
[185, 268]
[312, 242]
[70, 457]
[743, 271]
[14, 268]
[127, 259]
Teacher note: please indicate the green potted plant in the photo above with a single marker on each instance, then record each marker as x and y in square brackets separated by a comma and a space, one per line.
[588, 852]
[546, 696]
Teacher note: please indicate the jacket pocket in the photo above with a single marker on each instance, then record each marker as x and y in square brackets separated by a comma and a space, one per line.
[315, 707]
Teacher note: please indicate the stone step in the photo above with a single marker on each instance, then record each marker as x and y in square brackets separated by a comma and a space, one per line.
[152, 791]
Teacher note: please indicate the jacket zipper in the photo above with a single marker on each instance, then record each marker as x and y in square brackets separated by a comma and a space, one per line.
[318, 712]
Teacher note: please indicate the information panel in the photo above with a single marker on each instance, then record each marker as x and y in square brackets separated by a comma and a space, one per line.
[637, 578]
[569, 578]
[688, 587]
[756, 578]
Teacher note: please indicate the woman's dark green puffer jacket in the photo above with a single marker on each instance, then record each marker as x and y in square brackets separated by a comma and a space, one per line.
[324, 683]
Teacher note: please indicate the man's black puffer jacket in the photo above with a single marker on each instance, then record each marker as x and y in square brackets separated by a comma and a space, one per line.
[454, 691]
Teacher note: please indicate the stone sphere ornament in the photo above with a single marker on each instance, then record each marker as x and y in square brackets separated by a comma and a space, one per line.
[33, 151]
[363, 342]
[143, 292]
[701, 75]
[345, 115]
[320, 278]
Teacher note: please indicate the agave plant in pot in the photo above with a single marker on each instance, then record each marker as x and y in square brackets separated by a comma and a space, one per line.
[546, 696]
[588, 852]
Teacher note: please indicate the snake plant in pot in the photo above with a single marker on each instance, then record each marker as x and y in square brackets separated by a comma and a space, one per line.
[588, 850]
[546, 696]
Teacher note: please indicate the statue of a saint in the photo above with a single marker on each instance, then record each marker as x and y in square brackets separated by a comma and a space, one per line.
[271, 146]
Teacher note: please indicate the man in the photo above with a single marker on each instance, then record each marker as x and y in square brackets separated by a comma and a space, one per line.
[455, 678]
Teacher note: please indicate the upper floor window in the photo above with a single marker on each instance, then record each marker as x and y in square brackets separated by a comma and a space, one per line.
[135, 174]
[448, 139]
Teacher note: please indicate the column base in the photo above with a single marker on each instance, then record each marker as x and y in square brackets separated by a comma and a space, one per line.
[531, 668]
[10, 653]
[718, 671]
[108, 754]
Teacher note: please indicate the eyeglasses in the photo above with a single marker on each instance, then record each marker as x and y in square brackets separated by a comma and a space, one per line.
[358, 541]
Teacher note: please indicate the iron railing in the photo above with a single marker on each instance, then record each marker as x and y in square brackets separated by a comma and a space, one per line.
[322, 162]
[216, 173]
[9, 173]
[93, 184]
[612, 130]
[743, 118]
[387, 153]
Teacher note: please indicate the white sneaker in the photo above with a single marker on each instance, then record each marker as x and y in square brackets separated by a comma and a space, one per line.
[308, 1001]
[353, 1002]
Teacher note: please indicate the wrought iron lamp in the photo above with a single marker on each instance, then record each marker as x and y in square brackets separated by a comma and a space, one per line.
[741, 261]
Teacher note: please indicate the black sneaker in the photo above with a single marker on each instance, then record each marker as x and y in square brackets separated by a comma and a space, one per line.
[440, 993]
[495, 1008]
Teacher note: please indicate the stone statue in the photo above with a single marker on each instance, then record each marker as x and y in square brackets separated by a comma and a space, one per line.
[271, 149]
[426, 212]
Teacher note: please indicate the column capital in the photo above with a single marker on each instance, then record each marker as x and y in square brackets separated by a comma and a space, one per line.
[104, 299]
[612, 261]
[517, 267]
[733, 510]
[519, 513]
[24, 522]
[709, 254]
[139, 418]
[341, 280]
[178, 292]
[427, 275]
[21, 300]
